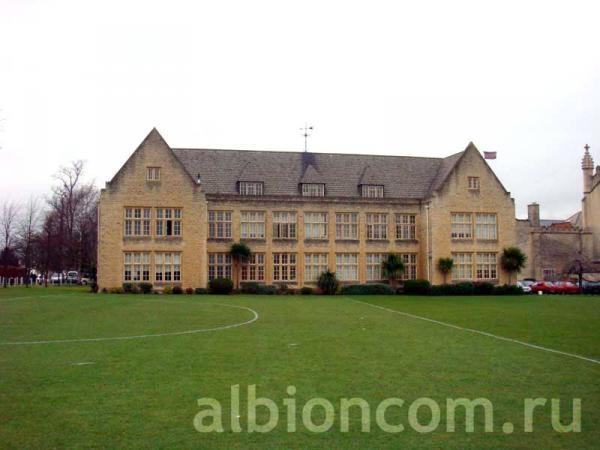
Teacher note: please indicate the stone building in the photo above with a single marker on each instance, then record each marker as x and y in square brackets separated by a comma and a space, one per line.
[556, 248]
[170, 215]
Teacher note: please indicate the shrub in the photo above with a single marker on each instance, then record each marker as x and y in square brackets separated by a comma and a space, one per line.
[104, 290]
[417, 287]
[117, 290]
[367, 289]
[267, 290]
[508, 289]
[483, 288]
[189, 291]
[328, 283]
[167, 290]
[94, 288]
[128, 288]
[306, 290]
[282, 289]
[145, 288]
[177, 290]
[200, 291]
[220, 286]
[249, 287]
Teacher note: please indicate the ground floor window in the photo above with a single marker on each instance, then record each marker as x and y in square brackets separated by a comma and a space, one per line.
[284, 267]
[346, 266]
[374, 270]
[463, 266]
[219, 265]
[254, 268]
[167, 266]
[487, 268]
[314, 265]
[410, 266]
[137, 266]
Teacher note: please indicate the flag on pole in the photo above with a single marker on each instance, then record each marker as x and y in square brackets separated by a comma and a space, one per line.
[489, 155]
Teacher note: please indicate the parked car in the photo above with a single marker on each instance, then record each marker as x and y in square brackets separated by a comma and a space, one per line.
[55, 278]
[84, 281]
[591, 287]
[566, 287]
[72, 277]
[525, 285]
[545, 287]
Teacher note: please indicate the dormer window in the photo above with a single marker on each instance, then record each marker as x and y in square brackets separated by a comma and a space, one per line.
[474, 183]
[371, 190]
[153, 173]
[313, 190]
[251, 187]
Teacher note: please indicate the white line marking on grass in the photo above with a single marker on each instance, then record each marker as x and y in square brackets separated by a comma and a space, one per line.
[483, 333]
[255, 317]
[83, 363]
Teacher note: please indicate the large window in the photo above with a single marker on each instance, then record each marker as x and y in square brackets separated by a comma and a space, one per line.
[346, 266]
[219, 265]
[406, 227]
[251, 188]
[346, 226]
[377, 226]
[252, 225]
[463, 266]
[487, 267]
[284, 267]
[219, 224]
[486, 226]
[284, 225]
[137, 221]
[254, 268]
[374, 269]
[410, 266]
[314, 265]
[462, 226]
[168, 221]
[315, 225]
[136, 266]
[313, 190]
[371, 191]
[167, 267]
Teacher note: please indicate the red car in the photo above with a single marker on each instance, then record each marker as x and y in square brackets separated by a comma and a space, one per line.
[566, 287]
[543, 286]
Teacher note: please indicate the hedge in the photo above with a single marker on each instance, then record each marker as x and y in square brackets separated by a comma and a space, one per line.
[417, 287]
[220, 286]
[367, 289]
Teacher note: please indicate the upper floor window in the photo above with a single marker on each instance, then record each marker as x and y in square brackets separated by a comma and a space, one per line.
[406, 227]
[315, 225]
[251, 187]
[371, 190]
[168, 221]
[346, 226]
[462, 226]
[474, 183]
[252, 225]
[219, 224]
[377, 226]
[486, 226]
[284, 225]
[313, 190]
[153, 173]
[137, 221]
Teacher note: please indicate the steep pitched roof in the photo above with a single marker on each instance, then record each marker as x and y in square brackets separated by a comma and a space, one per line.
[311, 175]
[370, 176]
[404, 176]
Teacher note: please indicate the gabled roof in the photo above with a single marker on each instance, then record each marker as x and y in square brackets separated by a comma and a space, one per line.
[370, 176]
[311, 175]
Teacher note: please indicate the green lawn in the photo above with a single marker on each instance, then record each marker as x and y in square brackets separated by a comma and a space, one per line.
[143, 393]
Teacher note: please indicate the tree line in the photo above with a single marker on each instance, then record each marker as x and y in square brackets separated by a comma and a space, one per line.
[54, 233]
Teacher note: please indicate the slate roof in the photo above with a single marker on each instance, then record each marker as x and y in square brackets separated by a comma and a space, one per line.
[404, 177]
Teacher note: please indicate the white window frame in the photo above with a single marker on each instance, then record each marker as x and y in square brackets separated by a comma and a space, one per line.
[168, 222]
[313, 190]
[136, 267]
[253, 269]
[316, 225]
[153, 173]
[346, 226]
[372, 190]
[219, 224]
[252, 225]
[284, 267]
[167, 267]
[284, 225]
[314, 265]
[374, 266]
[346, 266]
[474, 183]
[406, 227]
[377, 226]
[251, 188]
[461, 226]
[219, 265]
[486, 226]
[137, 221]
[410, 266]
[463, 266]
[487, 266]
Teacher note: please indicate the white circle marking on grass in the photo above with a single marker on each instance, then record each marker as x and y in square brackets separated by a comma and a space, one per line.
[254, 318]
[483, 333]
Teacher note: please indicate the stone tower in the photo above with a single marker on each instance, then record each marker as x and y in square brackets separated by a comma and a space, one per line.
[587, 166]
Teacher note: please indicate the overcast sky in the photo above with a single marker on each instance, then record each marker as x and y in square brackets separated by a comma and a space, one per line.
[88, 80]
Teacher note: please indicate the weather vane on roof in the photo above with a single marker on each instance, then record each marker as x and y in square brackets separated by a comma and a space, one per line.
[306, 134]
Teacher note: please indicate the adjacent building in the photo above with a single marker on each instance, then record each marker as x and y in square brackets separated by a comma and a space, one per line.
[170, 215]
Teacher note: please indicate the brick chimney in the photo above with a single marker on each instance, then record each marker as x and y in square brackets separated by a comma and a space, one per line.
[533, 214]
[587, 166]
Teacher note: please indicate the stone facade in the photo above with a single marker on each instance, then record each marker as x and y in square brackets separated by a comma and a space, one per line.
[452, 190]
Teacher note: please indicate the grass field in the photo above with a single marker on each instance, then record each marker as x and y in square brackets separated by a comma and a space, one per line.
[143, 392]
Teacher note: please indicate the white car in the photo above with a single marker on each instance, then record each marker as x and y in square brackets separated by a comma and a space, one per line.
[525, 285]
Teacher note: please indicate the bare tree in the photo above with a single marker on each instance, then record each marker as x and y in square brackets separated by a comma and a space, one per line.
[8, 222]
[27, 233]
